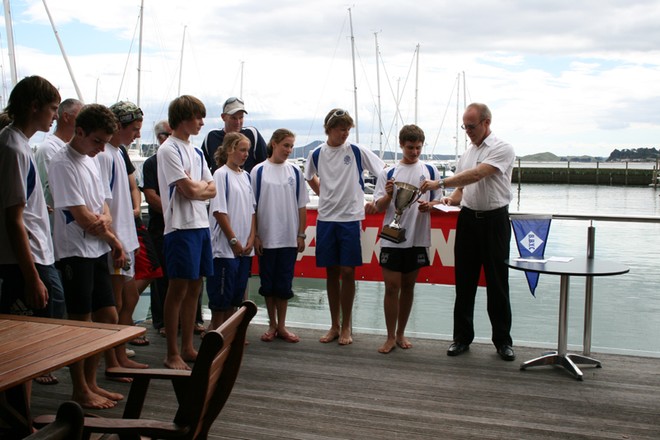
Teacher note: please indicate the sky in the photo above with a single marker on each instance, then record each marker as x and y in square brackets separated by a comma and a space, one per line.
[567, 77]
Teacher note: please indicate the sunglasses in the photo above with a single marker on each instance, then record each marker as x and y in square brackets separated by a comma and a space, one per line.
[164, 133]
[233, 100]
[471, 126]
[336, 114]
[130, 117]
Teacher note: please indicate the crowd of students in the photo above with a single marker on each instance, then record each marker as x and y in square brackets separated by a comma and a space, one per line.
[212, 209]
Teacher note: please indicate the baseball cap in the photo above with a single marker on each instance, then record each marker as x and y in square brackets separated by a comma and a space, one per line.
[127, 112]
[233, 105]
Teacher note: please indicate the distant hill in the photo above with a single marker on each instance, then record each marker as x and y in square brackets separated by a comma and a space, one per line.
[540, 157]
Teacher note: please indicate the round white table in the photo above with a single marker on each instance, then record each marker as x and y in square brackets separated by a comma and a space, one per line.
[587, 267]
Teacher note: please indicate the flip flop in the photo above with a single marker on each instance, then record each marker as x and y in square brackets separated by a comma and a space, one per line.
[140, 341]
[161, 331]
[46, 379]
[268, 337]
[199, 328]
[289, 337]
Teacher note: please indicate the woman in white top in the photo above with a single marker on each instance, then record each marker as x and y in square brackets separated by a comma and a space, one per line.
[282, 197]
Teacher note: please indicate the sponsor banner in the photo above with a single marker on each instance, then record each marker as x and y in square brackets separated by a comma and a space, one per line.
[441, 252]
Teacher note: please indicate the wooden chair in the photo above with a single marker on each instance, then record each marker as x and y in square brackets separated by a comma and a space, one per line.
[68, 424]
[201, 392]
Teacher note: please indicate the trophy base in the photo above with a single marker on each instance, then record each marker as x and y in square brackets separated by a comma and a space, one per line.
[394, 235]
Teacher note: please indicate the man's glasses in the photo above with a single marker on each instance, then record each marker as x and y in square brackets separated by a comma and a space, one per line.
[164, 133]
[471, 126]
[336, 114]
[130, 117]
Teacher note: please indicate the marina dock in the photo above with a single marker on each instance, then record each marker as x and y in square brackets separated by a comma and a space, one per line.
[320, 391]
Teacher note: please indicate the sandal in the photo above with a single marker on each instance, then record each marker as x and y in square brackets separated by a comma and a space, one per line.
[268, 337]
[199, 328]
[140, 341]
[289, 337]
[161, 331]
[46, 379]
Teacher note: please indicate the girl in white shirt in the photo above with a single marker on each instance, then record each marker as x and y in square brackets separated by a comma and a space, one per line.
[282, 198]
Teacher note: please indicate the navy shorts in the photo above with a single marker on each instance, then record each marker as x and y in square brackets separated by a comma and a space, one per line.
[338, 244]
[87, 285]
[226, 287]
[12, 286]
[404, 260]
[188, 254]
[276, 272]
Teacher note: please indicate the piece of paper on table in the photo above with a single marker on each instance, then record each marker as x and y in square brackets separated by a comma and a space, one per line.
[530, 260]
[561, 259]
[447, 208]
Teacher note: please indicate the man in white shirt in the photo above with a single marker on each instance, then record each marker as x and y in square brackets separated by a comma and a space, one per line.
[483, 231]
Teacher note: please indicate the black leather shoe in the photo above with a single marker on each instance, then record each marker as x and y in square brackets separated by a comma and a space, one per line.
[506, 352]
[457, 348]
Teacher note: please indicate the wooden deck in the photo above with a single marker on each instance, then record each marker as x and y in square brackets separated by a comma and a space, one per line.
[317, 391]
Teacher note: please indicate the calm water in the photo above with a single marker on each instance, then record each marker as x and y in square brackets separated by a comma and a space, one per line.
[626, 313]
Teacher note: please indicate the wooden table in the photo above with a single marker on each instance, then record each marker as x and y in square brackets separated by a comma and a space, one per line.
[30, 347]
[587, 267]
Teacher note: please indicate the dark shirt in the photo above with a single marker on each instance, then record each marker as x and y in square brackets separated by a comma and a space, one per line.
[150, 181]
[257, 154]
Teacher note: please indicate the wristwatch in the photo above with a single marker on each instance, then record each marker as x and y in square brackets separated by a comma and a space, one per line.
[441, 182]
[233, 241]
[303, 236]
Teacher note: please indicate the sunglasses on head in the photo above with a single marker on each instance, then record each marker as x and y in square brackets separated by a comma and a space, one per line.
[336, 114]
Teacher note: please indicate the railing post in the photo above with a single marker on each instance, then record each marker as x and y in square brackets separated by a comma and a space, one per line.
[588, 293]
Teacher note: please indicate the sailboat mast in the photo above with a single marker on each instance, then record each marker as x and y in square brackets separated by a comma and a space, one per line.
[240, 95]
[458, 92]
[139, 78]
[10, 44]
[465, 138]
[380, 120]
[416, 83]
[183, 42]
[66, 60]
[357, 133]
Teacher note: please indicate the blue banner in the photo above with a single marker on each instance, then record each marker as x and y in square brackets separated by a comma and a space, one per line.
[531, 234]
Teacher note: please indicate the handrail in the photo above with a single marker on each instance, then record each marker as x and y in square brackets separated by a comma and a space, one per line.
[606, 218]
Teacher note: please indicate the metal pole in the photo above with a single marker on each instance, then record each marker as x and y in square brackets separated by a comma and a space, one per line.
[588, 293]
[10, 44]
[357, 133]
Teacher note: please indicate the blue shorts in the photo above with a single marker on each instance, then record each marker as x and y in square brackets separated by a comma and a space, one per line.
[12, 291]
[276, 272]
[226, 287]
[86, 283]
[338, 244]
[188, 254]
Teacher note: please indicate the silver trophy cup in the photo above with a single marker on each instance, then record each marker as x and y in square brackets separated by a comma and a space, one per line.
[404, 196]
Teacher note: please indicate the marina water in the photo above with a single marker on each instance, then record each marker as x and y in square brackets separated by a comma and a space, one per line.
[626, 308]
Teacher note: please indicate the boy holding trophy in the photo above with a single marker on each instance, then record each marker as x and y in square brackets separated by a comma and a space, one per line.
[406, 232]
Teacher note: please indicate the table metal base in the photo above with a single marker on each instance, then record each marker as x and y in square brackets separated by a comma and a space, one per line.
[567, 361]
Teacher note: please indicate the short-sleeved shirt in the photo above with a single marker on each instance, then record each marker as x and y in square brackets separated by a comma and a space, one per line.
[20, 185]
[114, 174]
[179, 159]
[150, 181]
[281, 192]
[417, 224]
[45, 152]
[75, 180]
[257, 154]
[341, 197]
[235, 198]
[493, 191]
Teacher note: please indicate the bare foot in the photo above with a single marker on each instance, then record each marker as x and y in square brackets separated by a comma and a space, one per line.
[119, 379]
[404, 343]
[345, 338]
[105, 393]
[332, 334]
[189, 356]
[387, 346]
[176, 363]
[93, 401]
[132, 364]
